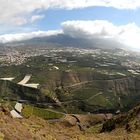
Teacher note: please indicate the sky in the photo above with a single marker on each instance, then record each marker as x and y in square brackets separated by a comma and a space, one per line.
[114, 19]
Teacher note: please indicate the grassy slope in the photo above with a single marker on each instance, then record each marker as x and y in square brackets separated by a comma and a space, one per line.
[29, 110]
[37, 128]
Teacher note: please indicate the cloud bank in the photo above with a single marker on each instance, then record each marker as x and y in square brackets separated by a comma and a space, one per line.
[127, 34]
[25, 36]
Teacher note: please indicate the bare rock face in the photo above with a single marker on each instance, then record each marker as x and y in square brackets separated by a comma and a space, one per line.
[85, 121]
[70, 121]
[122, 86]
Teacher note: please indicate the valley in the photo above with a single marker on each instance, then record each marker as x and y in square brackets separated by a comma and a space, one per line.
[76, 87]
[76, 80]
[69, 70]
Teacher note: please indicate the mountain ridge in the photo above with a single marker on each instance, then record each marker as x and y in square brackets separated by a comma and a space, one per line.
[69, 41]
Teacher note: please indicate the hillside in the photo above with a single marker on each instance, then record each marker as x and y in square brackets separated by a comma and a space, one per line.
[12, 91]
[78, 91]
[89, 94]
[129, 121]
[40, 129]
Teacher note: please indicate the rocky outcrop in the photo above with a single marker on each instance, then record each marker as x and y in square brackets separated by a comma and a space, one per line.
[85, 121]
[129, 121]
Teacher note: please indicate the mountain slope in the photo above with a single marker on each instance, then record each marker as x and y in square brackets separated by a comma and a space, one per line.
[37, 128]
[129, 121]
[66, 40]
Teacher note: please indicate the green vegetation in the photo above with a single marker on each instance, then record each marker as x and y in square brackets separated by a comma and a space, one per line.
[94, 129]
[12, 91]
[103, 73]
[29, 110]
[1, 136]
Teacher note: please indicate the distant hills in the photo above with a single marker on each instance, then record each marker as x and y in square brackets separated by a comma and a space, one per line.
[62, 40]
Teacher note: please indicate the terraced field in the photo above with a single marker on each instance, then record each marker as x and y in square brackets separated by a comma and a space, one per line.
[29, 111]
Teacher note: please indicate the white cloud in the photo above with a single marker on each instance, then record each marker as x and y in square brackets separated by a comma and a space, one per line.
[25, 36]
[89, 29]
[128, 34]
[19, 12]
[37, 17]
